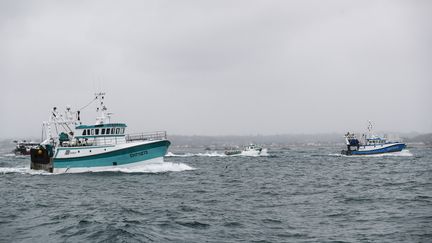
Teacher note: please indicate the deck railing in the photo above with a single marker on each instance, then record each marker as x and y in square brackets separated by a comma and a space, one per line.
[160, 135]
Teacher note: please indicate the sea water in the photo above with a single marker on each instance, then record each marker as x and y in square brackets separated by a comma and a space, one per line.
[292, 194]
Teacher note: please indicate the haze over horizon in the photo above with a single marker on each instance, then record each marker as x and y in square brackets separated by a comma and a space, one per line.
[219, 68]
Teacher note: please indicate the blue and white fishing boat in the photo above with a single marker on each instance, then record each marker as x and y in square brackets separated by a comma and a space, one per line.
[75, 147]
[370, 144]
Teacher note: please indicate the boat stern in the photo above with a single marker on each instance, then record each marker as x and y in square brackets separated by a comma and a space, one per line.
[41, 158]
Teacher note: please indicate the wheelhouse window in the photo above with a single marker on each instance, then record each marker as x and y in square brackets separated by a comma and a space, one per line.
[112, 130]
[117, 130]
[97, 131]
[84, 132]
[108, 131]
[92, 132]
[103, 131]
[88, 131]
[122, 131]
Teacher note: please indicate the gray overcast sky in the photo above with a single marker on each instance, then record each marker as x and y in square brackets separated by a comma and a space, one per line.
[220, 67]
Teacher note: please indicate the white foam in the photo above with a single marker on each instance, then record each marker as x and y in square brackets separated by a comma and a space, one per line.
[10, 170]
[169, 154]
[158, 168]
[264, 152]
[403, 153]
[208, 154]
[10, 155]
[150, 168]
[336, 155]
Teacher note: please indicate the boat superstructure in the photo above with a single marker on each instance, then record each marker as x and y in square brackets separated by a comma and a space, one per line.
[70, 146]
[370, 143]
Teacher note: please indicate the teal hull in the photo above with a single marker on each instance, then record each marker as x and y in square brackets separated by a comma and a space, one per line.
[116, 158]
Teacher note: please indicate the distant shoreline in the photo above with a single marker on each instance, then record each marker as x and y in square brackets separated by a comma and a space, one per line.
[268, 140]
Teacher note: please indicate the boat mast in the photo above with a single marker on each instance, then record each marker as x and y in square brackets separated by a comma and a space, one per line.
[71, 118]
[370, 129]
[104, 116]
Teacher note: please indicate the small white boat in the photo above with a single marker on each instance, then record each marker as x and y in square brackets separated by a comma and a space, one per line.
[70, 146]
[23, 147]
[370, 144]
[250, 150]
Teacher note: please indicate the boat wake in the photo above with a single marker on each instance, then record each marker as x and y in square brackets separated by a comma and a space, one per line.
[23, 170]
[150, 168]
[403, 153]
[218, 154]
[10, 155]
[209, 154]
[155, 168]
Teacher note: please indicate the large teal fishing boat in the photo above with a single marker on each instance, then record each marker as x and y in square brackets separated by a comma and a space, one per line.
[75, 147]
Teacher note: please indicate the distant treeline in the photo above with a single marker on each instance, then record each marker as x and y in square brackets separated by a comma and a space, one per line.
[423, 138]
[218, 141]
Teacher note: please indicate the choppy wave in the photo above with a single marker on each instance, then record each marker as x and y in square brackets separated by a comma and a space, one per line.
[403, 153]
[187, 206]
[150, 168]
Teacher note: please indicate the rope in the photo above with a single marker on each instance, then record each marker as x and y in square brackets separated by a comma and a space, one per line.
[87, 104]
